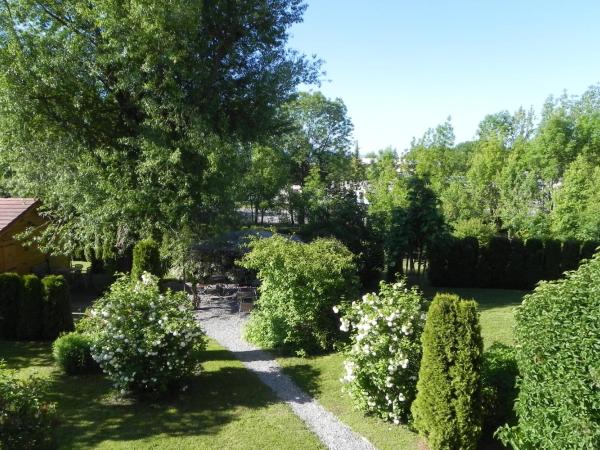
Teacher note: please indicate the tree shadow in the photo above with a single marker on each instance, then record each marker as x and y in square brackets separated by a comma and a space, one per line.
[92, 413]
[23, 354]
[305, 376]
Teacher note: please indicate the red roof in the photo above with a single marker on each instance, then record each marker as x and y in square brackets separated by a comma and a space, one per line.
[13, 208]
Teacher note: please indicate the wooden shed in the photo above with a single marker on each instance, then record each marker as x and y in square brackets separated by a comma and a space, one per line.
[16, 215]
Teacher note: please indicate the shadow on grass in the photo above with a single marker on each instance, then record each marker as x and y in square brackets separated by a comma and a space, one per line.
[305, 376]
[91, 412]
[21, 355]
[485, 298]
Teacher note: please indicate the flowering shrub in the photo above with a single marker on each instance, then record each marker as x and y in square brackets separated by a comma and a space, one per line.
[26, 420]
[382, 362]
[145, 340]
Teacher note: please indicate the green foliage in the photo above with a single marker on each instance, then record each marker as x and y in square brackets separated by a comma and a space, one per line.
[27, 421]
[31, 315]
[11, 294]
[558, 335]
[72, 353]
[146, 258]
[57, 306]
[499, 387]
[149, 109]
[383, 359]
[484, 268]
[143, 340]
[552, 256]
[447, 409]
[300, 283]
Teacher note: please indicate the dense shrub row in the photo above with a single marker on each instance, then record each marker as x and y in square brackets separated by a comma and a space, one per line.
[32, 309]
[504, 263]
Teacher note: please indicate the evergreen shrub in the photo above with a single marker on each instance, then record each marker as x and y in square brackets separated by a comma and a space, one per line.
[31, 315]
[447, 410]
[534, 263]
[570, 255]
[72, 353]
[484, 268]
[588, 249]
[11, 293]
[516, 272]
[57, 306]
[499, 250]
[146, 258]
[552, 257]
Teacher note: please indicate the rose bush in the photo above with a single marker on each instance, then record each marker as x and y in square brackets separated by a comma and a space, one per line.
[145, 340]
[383, 359]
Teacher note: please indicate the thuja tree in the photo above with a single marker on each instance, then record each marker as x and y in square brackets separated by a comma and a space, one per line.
[300, 284]
[447, 409]
[139, 112]
[558, 336]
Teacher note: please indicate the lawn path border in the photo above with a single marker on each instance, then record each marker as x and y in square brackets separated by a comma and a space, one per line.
[221, 321]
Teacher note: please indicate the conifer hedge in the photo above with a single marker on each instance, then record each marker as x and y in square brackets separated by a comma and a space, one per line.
[57, 306]
[146, 258]
[31, 311]
[447, 410]
[11, 292]
[503, 263]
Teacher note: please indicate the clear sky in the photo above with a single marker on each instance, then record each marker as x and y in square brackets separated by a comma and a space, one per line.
[404, 66]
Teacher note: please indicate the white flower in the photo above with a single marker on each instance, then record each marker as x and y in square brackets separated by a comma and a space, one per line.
[146, 278]
[345, 326]
[336, 309]
[401, 397]
[404, 363]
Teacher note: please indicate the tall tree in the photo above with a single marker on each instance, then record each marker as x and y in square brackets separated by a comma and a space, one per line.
[130, 118]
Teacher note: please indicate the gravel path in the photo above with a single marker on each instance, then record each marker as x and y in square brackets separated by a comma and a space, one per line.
[221, 321]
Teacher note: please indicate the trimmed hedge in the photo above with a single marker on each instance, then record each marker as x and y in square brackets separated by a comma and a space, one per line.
[447, 410]
[552, 256]
[503, 263]
[534, 261]
[499, 254]
[31, 311]
[516, 272]
[558, 342]
[72, 353]
[588, 249]
[146, 258]
[57, 306]
[570, 255]
[11, 292]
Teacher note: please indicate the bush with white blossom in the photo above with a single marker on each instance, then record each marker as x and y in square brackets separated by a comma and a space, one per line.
[145, 340]
[382, 362]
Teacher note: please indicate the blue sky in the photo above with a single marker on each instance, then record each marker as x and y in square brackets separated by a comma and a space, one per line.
[404, 66]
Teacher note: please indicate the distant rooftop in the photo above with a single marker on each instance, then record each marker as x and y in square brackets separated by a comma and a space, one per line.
[13, 208]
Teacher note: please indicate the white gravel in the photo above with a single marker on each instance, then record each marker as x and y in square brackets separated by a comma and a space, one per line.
[222, 322]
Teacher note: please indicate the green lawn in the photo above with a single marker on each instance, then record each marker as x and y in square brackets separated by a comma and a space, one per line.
[320, 375]
[226, 407]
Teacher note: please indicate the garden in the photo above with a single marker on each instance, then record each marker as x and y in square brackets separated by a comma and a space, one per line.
[244, 275]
